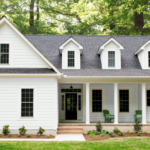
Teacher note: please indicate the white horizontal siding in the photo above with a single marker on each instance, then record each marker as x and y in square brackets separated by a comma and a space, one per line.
[22, 54]
[46, 97]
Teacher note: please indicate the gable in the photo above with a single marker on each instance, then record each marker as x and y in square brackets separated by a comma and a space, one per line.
[22, 55]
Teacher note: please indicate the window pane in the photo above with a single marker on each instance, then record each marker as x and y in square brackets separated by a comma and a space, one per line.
[97, 100]
[71, 62]
[79, 102]
[70, 54]
[63, 102]
[27, 102]
[4, 48]
[124, 100]
[149, 59]
[111, 59]
[148, 97]
[4, 53]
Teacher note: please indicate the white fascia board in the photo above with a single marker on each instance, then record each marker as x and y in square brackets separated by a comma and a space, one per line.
[65, 76]
[71, 39]
[4, 19]
[110, 40]
[142, 48]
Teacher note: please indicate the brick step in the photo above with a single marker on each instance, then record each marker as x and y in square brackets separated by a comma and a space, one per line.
[70, 132]
[70, 128]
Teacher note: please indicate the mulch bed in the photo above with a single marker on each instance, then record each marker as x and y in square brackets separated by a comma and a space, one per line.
[98, 138]
[32, 136]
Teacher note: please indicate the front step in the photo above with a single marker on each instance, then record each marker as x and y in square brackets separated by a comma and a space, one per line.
[69, 130]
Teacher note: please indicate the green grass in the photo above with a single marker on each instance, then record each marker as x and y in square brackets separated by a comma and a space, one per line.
[111, 144]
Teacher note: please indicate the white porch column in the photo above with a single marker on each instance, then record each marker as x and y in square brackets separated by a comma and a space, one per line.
[87, 103]
[116, 103]
[143, 103]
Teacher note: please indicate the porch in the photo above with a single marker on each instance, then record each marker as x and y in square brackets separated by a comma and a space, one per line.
[121, 99]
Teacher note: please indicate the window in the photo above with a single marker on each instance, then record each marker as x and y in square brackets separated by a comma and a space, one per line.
[149, 59]
[70, 58]
[4, 53]
[96, 100]
[79, 102]
[71, 90]
[124, 100]
[148, 97]
[111, 59]
[26, 102]
[63, 102]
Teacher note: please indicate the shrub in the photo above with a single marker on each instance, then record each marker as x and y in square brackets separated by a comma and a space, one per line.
[38, 135]
[116, 130]
[107, 132]
[22, 130]
[28, 135]
[130, 132]
[0, 135]
[111, 134]
[92, 132]
[145, 133]
[120, 133]
[41, 131]
[19, 135]
[103, 133]
[99, 126]
[6, 130]
[92, 135]
[9, 135]
[138, 127]
[48, 136]
[100, 135]
[139, 134]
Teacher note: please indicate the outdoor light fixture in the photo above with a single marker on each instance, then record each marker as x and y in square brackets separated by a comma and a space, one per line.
[71, 87]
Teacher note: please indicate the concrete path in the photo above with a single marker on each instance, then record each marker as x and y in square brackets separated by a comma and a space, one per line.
[59, 137]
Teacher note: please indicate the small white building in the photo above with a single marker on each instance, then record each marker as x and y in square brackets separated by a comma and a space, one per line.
[61, 80]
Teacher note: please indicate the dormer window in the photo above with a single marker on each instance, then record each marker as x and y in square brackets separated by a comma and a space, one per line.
[4, 53]
[71, 52]
[70, 58]
[111, 59]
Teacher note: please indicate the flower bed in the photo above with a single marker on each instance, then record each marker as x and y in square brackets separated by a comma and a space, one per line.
[98, 138]
[32, 136]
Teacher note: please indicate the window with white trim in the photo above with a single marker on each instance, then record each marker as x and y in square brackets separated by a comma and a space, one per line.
[71, 59]
[27, 97]
[96, 100]
[111, 59]
[4, 53]
[124, 100]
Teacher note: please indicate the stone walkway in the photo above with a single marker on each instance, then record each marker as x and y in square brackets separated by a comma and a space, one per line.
[59, 137]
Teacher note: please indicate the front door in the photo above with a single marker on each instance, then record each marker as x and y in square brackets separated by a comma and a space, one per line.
[71, 106]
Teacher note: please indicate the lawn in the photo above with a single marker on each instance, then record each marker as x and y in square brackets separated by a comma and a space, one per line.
[111, 144]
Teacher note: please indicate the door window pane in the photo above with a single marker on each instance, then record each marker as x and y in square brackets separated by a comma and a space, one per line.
[148, 97]
[79, 102]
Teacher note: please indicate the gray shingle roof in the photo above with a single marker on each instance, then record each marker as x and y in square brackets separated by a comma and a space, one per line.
[48, 45]
[26, 70]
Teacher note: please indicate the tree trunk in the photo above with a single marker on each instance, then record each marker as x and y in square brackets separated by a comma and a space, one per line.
[138, 20]
[31, 21]
[111, 25]
[38, 14]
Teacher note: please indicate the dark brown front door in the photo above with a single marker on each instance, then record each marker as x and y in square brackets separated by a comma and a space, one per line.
[71, 106]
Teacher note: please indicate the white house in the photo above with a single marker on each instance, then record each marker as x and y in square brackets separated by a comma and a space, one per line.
[60, 80]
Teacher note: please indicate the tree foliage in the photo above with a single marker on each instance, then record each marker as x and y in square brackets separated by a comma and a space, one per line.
[79, 17]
